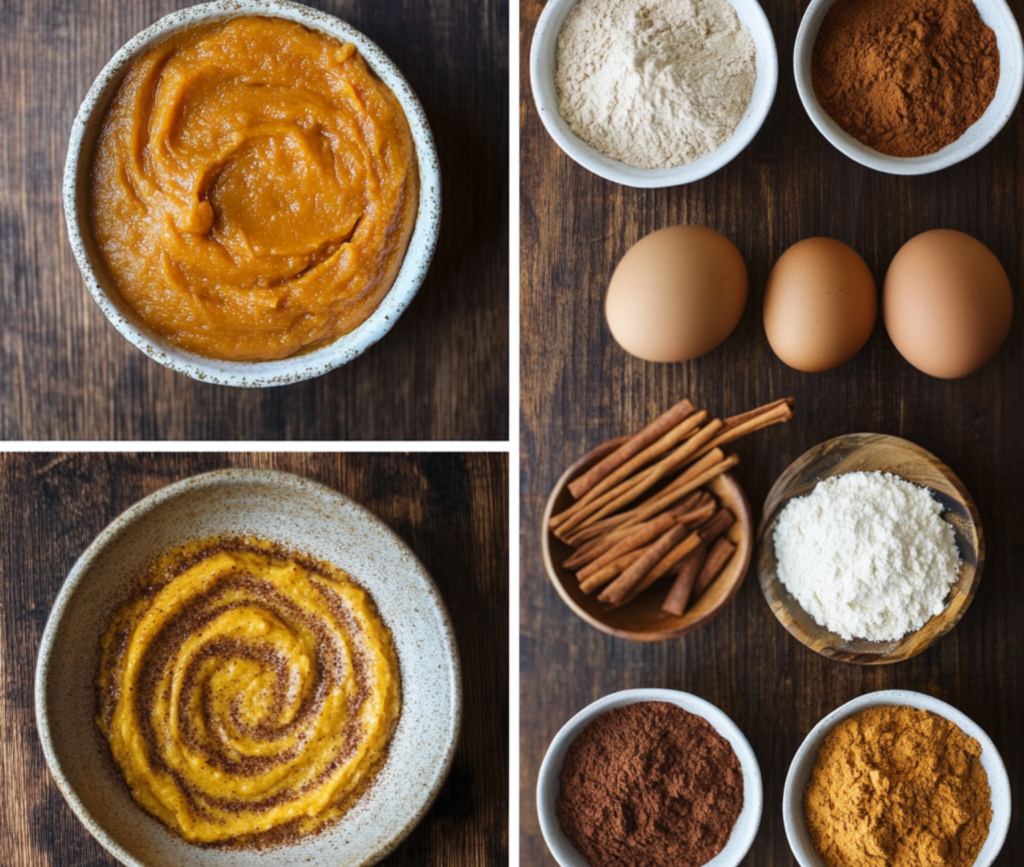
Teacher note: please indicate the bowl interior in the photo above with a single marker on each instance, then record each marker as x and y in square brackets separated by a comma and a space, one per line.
[871, 453]
[548, 784]
[803, 763]
[997, 15]
[308, 517]
[543, 55]
[642, 619]
[85, 133]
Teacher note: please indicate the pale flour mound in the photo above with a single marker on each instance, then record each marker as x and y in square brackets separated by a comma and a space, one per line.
[867, 555]
[654, 83]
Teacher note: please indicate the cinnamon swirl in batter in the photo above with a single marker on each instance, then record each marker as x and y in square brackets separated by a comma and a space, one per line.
[248, 694]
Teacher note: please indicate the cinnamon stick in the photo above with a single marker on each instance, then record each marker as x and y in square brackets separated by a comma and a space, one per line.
[602, 577]
[640, 536]
[780, 413]
[735, 420]
[717, 558]
[689, 569]
[681, 432]
[637, 443]
[615, 592]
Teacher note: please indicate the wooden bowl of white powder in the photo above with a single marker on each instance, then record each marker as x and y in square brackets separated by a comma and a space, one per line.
[869, 549]
[653, 94]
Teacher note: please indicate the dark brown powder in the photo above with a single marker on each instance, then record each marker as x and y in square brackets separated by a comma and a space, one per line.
[906, 77]
[650, 785]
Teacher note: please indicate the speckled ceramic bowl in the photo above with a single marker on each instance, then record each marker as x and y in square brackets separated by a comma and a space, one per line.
[85, 131]
[299, 514]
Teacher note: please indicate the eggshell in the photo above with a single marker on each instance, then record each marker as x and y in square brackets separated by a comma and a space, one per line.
[676, 294]
[947, 303]
[820, 304]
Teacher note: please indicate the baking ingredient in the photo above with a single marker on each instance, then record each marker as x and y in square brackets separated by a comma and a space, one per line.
[820, 305]
[867, 555]
[651, 83]
[898, 787]
[676, 294]
[649, 785]
[248, 694]
[627, 541]
[947, 303]
[905, 77]
[254, 189]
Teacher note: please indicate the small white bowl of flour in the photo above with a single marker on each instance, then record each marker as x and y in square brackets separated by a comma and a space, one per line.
[870, 549]
[653, 93]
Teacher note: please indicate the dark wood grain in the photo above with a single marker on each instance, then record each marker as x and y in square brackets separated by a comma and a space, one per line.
[579, 388]
[451, 509]
[441, 373]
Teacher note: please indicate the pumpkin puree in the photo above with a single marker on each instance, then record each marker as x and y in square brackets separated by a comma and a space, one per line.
[253, 190]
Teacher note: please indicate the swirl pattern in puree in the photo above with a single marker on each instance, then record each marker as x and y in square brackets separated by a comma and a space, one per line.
[248, 694]
[254, 189]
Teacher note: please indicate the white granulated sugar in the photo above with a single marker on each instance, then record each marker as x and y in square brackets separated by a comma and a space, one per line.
[654, 83]
[867, 555]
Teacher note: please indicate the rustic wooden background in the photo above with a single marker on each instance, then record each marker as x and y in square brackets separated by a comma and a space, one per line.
[579, 388]
[442, 371]
[452, 509]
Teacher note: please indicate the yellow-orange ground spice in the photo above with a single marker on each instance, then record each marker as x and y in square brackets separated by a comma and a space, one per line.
[898, 787]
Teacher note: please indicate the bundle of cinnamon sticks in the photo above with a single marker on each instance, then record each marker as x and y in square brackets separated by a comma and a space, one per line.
[643, 512]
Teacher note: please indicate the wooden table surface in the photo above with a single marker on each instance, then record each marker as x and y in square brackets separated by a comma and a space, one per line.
[442, 371]
[579, 388]
[452, 509]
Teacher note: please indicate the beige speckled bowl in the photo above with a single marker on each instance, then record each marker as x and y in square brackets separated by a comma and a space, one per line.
[252, 374]
[300, 514]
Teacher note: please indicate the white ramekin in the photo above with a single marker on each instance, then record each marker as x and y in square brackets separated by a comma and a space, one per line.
[997, 15]
[85, 130]
[542, 80]
[803, 762]
[551, 769]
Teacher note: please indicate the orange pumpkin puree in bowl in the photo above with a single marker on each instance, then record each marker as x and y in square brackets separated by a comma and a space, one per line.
[253, 190]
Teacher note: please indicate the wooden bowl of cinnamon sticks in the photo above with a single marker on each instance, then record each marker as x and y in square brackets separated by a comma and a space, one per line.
[648, 536]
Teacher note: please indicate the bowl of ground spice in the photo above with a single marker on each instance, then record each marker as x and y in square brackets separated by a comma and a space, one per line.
[651, 93]
[897, 778]
[649, 778]
[909, 87]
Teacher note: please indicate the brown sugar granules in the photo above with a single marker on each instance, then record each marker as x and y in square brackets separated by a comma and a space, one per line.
[906, 77]
[898, 787]
[650, 785]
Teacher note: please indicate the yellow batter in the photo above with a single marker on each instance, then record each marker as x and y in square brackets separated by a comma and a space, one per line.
[247, 694]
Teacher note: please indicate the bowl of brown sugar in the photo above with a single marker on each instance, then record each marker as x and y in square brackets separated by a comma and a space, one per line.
[900, 777]
[909, 87]
[655, 777]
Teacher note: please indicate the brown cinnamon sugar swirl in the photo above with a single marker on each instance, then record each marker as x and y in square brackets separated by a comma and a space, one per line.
[248, 694]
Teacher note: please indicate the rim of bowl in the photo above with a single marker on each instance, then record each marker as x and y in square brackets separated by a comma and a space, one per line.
[792, 802]
[138, 510]
[718, 719]
[986, 128]
[418, 255]
[542, 67]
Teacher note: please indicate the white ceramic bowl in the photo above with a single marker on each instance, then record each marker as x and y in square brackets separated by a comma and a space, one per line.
[551, 769]
[85, 131]
[307, 517]
[542, 80]
[997, 15]
[803, 762]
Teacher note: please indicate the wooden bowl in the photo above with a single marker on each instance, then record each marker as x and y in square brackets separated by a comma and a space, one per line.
[870, 453]
[642, 619]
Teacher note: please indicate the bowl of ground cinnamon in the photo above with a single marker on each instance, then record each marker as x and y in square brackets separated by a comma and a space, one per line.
[649, 778]
[900, 778]
[909, 87]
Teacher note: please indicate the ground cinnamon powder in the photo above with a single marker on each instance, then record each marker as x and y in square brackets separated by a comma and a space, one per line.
[898, 787]
[906, 77]
[650, 785]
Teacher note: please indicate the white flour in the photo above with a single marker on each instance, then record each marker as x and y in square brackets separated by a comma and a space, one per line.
[654, 83]
[867, 555]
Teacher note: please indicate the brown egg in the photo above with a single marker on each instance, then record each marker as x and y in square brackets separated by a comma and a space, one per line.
[946, 303]
[676, 294]
[820, 305]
